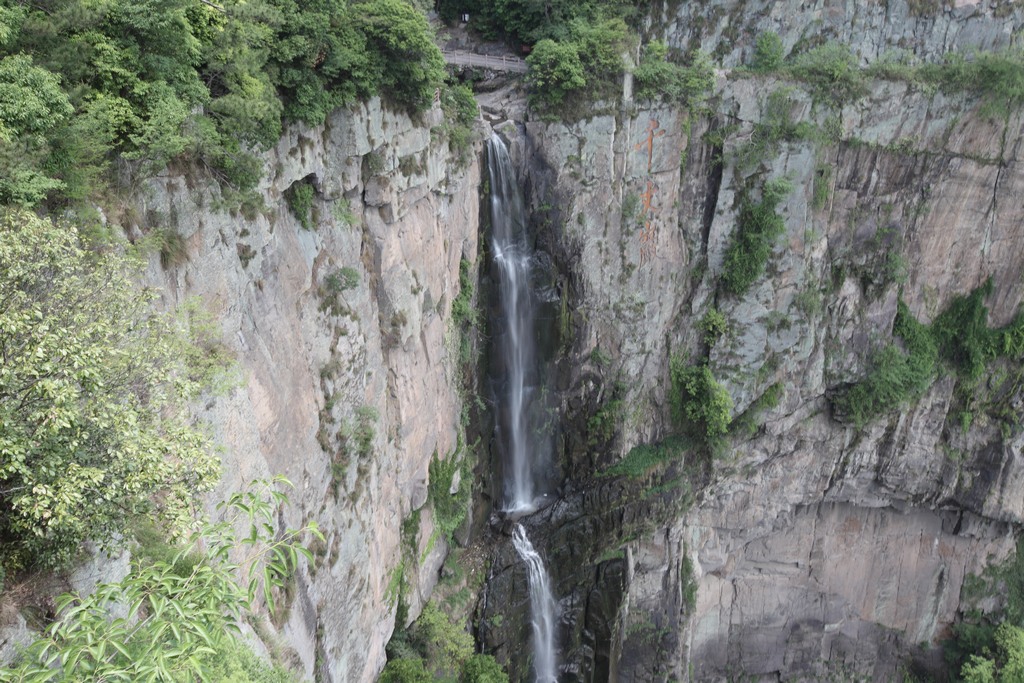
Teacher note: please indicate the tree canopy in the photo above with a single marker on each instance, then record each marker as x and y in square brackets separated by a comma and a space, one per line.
[89, 85]
[93, 385]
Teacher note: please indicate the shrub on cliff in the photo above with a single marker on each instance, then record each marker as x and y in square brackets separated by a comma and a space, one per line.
[658, 78]
[896, 375]
[832, 72]
[959, 335]
[996, 77]
[93, 423]
[699, 404]
[759, 226]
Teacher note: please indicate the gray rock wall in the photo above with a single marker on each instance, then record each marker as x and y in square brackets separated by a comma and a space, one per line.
[317, 359]
[819, 549]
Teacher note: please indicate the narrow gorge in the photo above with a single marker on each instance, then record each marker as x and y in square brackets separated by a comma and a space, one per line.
[714, 382]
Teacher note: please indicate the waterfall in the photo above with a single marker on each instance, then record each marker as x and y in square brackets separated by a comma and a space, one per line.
[515, 344]
[542, 608]
[525, 452]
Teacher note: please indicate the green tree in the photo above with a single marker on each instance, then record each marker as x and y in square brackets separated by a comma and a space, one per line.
[768, 53]
[405, 670]
[182, 618]
[409, 65]
[600, 45]
[93, 423]
[483, 669]
[555, 72]
[1003, 665]
[32, 105]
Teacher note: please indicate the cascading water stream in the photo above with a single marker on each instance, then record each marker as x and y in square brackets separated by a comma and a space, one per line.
[542, 608]
[516, 346]
[524, 455]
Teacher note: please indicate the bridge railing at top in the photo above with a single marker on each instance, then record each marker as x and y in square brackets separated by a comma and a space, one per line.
[501, 63]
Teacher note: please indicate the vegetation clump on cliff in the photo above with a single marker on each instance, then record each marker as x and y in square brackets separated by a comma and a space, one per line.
[960, 336]
[700, 405]
[758, 228]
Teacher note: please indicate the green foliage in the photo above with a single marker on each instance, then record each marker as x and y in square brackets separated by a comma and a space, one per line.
[768, 52]
[643, 459]
[360, 439]
[445, 645]
[84, 85]
[688, 583]
[997, 78]
[963, 336]
[604, 423]
[832, 73]
[482, 669]
[32, 107]
[896, 375]
[700, 405]
[1003, 664]
[343, 279]
[583, 65]
[658, 78]
[460, 114]
[94, 427]
[599, 358]
[600, 43]
[343, 213]
[407, 65]
[959, 335]
[822, 187]
[450, 510]
[405, 670]
[776, 126]
[173, 248]
[556, 72]
[299, 198]
[236, 663]
[986, 645]
[713, 325]
[435, 648]
[463, 311]
[182, 621]
[748, 422]
[759, 227]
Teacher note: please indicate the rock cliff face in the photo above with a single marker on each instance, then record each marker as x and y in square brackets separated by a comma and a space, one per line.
[814, 548]
[818, 548]
[342, 336]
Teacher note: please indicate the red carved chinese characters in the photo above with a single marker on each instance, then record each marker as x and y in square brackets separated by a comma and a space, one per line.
[648, 234]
